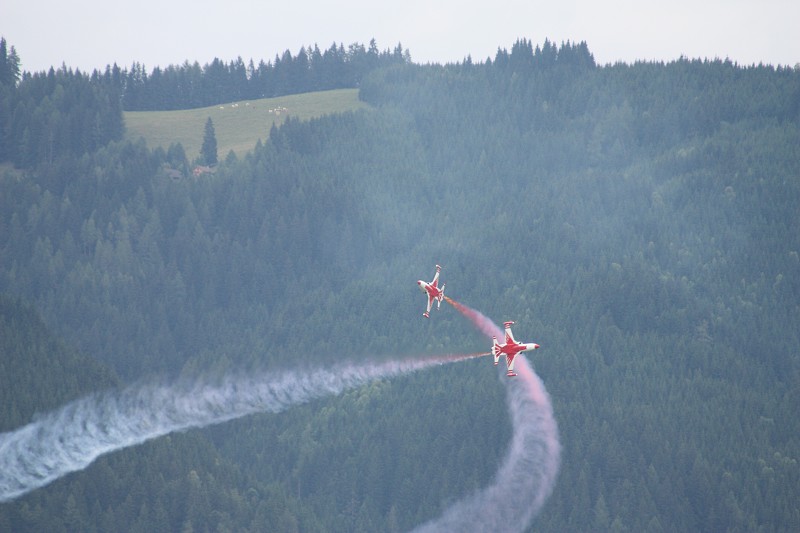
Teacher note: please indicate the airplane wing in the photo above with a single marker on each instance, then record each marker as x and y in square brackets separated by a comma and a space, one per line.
[510, 363]
[509, 335]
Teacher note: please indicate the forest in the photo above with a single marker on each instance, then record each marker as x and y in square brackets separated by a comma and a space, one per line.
[638, 221]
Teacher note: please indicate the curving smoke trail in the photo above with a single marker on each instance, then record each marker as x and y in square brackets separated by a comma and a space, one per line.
[71, 438]
[528, 473]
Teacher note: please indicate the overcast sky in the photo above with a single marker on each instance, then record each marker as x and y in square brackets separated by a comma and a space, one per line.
[90, 34]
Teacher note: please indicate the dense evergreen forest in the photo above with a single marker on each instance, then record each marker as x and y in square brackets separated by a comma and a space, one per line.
[639, 221]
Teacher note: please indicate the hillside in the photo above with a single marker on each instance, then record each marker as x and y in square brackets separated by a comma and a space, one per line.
[237, 125]
[639, 222]
[37, 371]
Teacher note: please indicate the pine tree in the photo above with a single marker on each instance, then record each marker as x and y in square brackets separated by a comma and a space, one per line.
[9, 64]
[209, 149]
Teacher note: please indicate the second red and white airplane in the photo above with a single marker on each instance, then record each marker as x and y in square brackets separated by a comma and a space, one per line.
[510, 349]
[433, 292]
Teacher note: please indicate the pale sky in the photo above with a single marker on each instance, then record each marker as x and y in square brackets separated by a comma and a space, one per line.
[90, 34]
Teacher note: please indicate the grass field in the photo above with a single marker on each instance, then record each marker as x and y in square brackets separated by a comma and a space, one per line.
[237, 125]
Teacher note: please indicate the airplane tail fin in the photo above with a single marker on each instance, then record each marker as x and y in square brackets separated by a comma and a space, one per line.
[440, 298]
[495, 350]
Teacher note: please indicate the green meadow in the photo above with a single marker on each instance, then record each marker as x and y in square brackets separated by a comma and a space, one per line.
[237, 125]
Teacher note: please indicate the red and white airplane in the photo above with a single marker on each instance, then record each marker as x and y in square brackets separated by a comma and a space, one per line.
[510, 349]
[433, 292]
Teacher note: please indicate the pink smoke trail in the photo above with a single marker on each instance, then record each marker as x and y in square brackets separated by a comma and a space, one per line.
[72, 437]
[478, 319]
[528, 473]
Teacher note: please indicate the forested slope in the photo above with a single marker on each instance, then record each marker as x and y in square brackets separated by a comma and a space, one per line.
[637, 221]
[167, 485]
[38, 372]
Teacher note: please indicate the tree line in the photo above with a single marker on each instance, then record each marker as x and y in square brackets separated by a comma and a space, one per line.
[311, 69]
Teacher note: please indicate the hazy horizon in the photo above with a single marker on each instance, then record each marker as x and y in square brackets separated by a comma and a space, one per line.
[162, 34]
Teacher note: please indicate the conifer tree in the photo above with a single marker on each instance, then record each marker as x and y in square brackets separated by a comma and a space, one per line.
[209, 149]
[9, 64]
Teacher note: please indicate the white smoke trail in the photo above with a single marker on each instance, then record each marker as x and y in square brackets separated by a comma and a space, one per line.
[71, 438]
[528, 473]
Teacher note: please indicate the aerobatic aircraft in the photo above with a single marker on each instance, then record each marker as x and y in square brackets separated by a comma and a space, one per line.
[433, 292]
[510, 349]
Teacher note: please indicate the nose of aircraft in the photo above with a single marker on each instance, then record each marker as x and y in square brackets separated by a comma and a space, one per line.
[535, 346]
